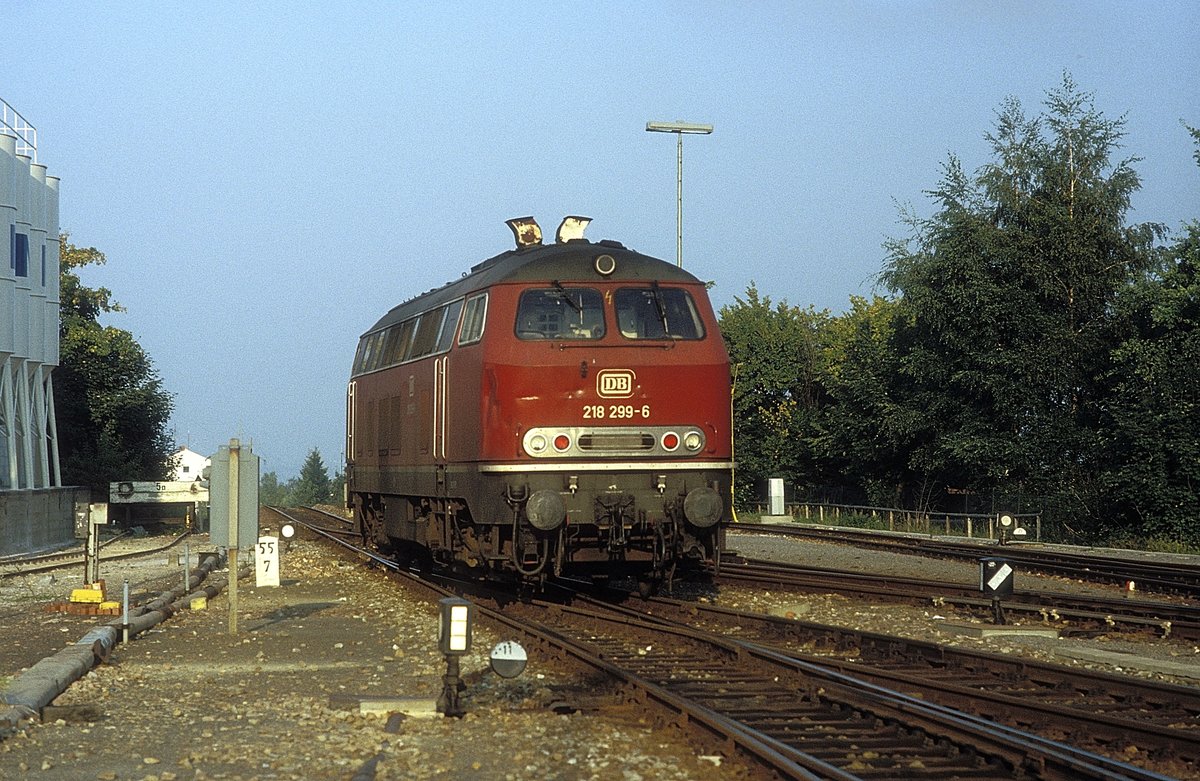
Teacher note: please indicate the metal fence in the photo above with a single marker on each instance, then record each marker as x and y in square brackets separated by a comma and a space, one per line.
[978, 525]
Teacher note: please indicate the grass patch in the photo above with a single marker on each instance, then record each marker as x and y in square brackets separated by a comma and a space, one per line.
[1159, 545]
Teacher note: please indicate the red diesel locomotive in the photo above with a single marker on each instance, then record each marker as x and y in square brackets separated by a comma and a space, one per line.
[561, 409]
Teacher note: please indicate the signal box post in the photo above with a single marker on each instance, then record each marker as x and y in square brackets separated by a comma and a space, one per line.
[97, 515]
[233, 508]
[455, 617]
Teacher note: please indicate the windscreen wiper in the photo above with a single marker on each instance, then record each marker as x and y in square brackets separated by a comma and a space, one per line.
[565, 296]
[658, 304]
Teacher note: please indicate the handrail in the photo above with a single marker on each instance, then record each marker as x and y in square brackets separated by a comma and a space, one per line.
[13, 124]
[925, 520]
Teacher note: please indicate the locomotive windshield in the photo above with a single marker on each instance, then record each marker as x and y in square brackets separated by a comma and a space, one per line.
[657, 313]
[560, 313]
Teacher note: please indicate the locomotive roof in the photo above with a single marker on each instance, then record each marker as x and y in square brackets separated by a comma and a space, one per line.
[572, 261]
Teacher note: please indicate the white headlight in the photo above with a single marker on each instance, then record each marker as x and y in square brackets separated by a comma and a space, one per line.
[693, 440]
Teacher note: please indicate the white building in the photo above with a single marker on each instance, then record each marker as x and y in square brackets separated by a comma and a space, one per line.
[29, 268]
[189, 465]
[36, 512]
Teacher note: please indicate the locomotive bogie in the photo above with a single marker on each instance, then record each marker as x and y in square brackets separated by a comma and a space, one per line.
[631, 520]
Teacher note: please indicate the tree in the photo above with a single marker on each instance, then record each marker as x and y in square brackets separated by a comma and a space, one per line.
[111, 409]
[337, 486]
[775, 352]
[313, 485]
[1005, 297]
[1152, 412]
[271, 492]
[868, 431]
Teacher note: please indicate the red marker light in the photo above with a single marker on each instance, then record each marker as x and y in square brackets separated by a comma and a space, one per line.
[670, 440]
[562, 442]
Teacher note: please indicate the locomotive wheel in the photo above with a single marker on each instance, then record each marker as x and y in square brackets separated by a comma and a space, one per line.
[364, 529]
[403, 559]
[648, 587]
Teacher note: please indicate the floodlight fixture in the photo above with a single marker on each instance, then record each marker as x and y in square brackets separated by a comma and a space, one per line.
[679, 128]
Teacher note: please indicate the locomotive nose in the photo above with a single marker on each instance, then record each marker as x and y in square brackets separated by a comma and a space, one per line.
[703, 507]
[545, 510]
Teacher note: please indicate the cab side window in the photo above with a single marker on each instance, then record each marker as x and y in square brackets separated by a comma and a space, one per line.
[449, 325]
[474, 315]
[429, 326]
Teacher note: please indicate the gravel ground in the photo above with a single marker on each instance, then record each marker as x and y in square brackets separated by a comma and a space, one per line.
[188, 700]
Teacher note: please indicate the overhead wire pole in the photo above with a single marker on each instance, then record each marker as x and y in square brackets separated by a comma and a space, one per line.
[678, 128]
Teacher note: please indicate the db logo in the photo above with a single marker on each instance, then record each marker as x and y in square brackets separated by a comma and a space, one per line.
[615, 383]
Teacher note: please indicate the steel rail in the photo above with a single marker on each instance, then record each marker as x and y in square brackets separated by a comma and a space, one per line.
[1076, 762]
[890, 660]
[775, 754]
[1160, 618]
[71, 559]
[333, 537]
[1023, 751]
[74, 550]
[1175, 578]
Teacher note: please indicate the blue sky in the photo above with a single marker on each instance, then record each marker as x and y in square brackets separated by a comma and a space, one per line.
[268, 178]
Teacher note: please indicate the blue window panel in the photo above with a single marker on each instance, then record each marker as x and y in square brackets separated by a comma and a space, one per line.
[21, 255]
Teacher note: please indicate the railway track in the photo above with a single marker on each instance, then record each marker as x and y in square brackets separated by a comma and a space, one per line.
[1116, 715]
[1085, 614]
[317, 519]
[798, 717]
[1179, 578]
[807, 719]
[30, 565]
